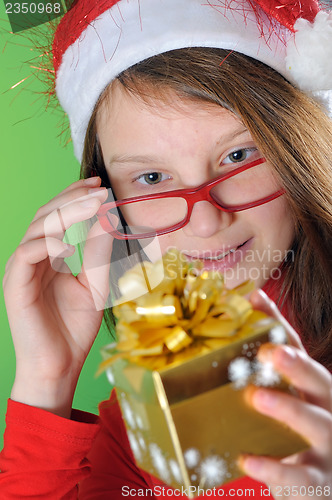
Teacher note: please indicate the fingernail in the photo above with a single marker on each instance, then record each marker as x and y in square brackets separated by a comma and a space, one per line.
[91, 181]
[266, 297]
[89, 203]
[265, 352]
[288, 356]
[96, 191]
[264, 399]
[251, 465]
[263, 294]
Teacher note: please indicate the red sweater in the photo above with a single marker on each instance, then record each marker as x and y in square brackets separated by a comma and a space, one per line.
[50, 457]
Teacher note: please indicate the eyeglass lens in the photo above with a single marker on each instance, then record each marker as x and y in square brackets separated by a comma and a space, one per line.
[158, 214]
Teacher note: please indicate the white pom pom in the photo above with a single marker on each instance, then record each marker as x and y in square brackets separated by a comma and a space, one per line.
[309, 53]
[324, 97]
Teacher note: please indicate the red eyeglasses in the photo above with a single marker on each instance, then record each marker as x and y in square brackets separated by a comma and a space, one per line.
[152, 215]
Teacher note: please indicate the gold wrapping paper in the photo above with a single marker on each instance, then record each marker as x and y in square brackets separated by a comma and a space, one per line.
[185, 354]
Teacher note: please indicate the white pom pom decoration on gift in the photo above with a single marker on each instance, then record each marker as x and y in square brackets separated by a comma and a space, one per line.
[213, 471]
[309, 54]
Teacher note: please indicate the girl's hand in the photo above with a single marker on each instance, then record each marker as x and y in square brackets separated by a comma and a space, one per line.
[53, 315]
[308, 474]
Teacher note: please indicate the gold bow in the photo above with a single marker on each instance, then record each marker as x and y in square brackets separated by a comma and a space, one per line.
[188, 313]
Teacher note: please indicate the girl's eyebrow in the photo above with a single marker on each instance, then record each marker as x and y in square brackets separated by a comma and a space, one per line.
[125, 158]
[121, 159]
[235, 134]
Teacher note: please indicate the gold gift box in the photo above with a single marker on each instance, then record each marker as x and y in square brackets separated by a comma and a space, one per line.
[185, 412]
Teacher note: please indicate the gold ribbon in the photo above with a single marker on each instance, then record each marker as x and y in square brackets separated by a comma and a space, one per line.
[188, 313]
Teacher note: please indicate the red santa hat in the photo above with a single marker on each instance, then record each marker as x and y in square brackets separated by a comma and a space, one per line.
[97, 40]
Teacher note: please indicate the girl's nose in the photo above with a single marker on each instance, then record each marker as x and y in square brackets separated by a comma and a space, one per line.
[206, 220]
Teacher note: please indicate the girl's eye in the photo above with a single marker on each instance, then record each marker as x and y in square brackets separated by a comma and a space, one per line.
[240, 155]
[152, 178]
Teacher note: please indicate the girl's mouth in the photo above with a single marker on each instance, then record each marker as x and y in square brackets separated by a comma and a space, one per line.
[223, 255]
[222, 260]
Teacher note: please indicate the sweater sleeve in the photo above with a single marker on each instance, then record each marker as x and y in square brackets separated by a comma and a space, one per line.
[114, 471]
[44, 455]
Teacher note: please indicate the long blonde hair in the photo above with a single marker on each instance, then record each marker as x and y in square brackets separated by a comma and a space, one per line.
[294, 135]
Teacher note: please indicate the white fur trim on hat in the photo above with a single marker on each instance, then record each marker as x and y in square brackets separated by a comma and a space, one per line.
[134, 30]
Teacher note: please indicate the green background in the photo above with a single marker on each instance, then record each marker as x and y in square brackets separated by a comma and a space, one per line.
[35, 166]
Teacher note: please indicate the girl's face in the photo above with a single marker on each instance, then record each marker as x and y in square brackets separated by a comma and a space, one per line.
[156, 147]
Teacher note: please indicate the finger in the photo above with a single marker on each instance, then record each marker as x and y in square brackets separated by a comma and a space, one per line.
[53, 220]
[28, 255]
[57, 222]
[68, 194]
[96, 264]
[276, 473]
[311, 378]
[310, 421]
[262, 302]
[8, 263]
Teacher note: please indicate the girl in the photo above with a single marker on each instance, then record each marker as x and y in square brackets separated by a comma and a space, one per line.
[164, 96]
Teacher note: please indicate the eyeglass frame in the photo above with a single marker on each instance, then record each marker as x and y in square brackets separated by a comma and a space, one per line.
[191, 196]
